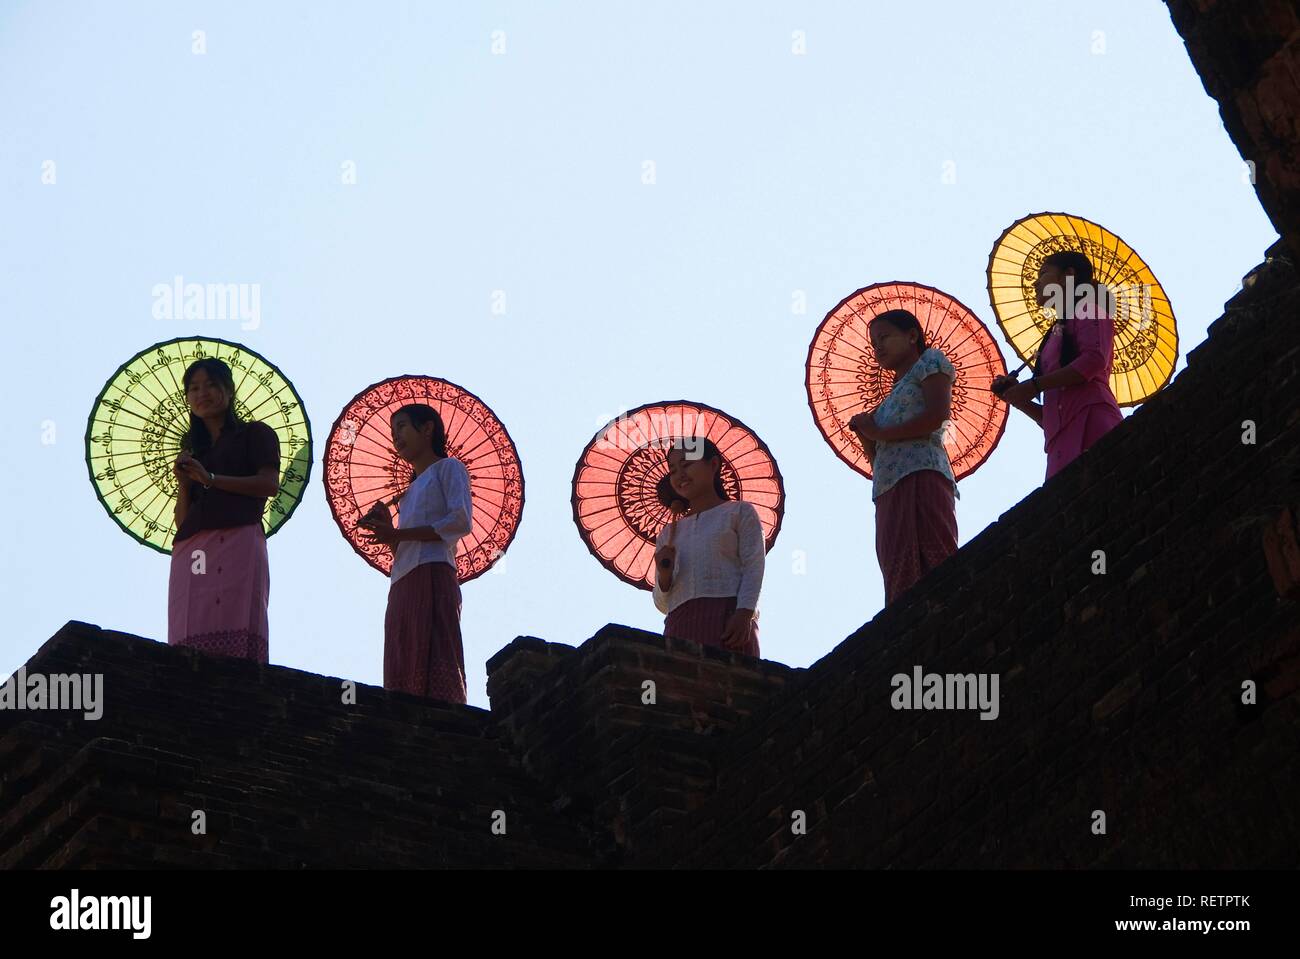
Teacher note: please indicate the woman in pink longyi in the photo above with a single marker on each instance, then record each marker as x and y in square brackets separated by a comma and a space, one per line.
[220, 581]
[912, 483]
[1072, 370]
[423, 651]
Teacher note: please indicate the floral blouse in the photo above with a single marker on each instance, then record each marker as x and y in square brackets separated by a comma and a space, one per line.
[897, 458]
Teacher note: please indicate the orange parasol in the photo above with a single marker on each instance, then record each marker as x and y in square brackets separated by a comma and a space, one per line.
[843, 378]
[362, 468]
[615, 502]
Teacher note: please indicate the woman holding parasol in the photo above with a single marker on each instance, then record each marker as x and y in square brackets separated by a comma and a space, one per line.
[1073, 367]
[708, 561]
[423, 651]
[220, 581]
[913, 486]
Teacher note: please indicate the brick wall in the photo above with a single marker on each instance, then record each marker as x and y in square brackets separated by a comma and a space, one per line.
[584, 724]
[1248, 55]
[287, 775]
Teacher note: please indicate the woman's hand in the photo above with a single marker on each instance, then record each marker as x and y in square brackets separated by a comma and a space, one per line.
[388, 536]
[1019, 394]
[379, 523]
[864, 424]
[1001, 383]
[187, 467]
[735, 635]
[664, 560]
[376, 516]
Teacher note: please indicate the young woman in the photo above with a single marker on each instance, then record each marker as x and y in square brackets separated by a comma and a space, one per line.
[912, 482]
[423, 653]
[1072, 369]
[709, 562]
[220, 578]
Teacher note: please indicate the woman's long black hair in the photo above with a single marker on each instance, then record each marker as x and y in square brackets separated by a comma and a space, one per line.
[709, 451]
[1083, 278]
[197, 440]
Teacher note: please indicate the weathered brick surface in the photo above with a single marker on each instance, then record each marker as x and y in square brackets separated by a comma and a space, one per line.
[582, 723]
[287, 774]
[1248, 56]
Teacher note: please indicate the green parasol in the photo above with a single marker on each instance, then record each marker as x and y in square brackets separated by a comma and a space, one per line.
[134, 433]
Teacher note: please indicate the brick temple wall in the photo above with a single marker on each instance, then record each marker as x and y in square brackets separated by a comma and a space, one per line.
[623, 729]
[1248, 55]
[287, 775]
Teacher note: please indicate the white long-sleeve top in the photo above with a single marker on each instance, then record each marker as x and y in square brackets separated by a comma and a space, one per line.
[438, 497]
[719, 553]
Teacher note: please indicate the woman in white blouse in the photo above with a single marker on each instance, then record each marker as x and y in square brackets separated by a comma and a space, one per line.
[423, 652]
[709, 562]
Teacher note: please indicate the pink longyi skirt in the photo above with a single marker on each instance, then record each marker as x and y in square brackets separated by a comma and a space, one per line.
[218, 591]
[916, 529]
[1090, 425]
[423, 654]
[702, 621]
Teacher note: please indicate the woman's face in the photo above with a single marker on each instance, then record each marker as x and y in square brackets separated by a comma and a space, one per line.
[408, 442]
[892, 346]
[205, 396]
[690, 477]
[1051, 280]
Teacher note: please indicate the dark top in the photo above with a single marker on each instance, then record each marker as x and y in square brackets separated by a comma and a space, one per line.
[239, 451]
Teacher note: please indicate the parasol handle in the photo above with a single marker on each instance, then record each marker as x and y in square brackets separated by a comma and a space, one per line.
[395, 501]
[1041, 344]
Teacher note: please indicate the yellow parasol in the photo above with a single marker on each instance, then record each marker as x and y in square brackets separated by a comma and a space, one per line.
[1146, 335]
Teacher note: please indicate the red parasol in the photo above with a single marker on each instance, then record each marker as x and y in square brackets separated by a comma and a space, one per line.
[361, 467]
[843, 377]
[614, 500]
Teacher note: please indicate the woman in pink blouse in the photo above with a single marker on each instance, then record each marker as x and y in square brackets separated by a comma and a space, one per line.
[709, 562]
[1072, 369]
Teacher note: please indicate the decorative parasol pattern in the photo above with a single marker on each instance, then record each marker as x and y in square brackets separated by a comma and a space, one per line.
[1146, 333]
[615, 505]
[361, 467]
[136, 426]
[843, 377]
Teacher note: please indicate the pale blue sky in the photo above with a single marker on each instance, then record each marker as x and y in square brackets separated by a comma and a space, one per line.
[522, 172]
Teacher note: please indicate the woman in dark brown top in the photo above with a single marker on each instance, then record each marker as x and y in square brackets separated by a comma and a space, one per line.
[220, 577]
